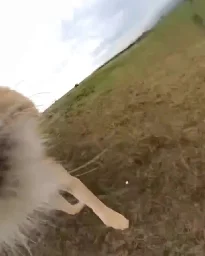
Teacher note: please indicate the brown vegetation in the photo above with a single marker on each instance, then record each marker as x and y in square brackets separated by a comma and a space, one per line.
[147, 107]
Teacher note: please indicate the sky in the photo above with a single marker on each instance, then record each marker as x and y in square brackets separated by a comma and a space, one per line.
[47, 46]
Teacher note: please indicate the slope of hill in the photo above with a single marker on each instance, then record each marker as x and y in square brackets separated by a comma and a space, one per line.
[147, 107]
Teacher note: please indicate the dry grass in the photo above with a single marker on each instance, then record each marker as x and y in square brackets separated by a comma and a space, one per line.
[148, 108]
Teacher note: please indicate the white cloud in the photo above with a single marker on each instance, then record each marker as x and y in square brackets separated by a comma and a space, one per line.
[31, 47]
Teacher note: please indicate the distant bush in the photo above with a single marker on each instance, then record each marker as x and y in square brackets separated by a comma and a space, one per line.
[198, 20]
[76, 85]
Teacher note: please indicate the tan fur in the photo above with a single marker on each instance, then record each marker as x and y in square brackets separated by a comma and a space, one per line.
[33, 181]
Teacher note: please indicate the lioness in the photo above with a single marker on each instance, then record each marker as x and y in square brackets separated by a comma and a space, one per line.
[29, 180]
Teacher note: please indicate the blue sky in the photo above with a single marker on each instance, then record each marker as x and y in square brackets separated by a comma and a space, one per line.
[48, 46]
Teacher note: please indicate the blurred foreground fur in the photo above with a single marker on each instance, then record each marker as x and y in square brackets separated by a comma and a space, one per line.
[30, 181]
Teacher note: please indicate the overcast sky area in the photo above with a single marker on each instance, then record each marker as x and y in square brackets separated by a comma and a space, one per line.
[48, 46]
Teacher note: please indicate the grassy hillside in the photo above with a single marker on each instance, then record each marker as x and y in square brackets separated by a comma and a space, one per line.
[147, 107]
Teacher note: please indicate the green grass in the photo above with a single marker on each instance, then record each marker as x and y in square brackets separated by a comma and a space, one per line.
[148, 107]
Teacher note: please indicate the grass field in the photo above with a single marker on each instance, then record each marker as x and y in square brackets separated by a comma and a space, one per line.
[147, 107]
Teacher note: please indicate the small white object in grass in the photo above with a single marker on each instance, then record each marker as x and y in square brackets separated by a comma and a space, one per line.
[127, 182]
